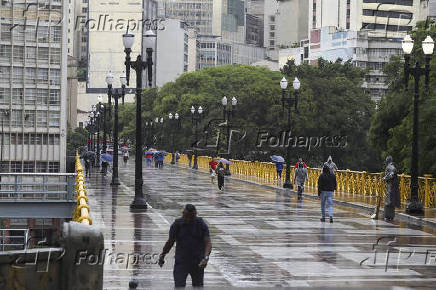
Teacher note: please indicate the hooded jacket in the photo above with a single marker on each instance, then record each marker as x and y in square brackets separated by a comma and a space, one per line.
[326, 181]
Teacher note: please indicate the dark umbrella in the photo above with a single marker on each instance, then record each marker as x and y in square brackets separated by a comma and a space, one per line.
[88, 154]
[107, 157]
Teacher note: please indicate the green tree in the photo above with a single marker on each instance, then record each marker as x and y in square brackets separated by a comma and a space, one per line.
[75, 139]
[391, 127]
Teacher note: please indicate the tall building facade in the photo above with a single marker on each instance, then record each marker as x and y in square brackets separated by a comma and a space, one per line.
[381, 18]
[285, 24]
[196, 13]
[33, 84]
[432, 8]
[229, 20]
[172, 51]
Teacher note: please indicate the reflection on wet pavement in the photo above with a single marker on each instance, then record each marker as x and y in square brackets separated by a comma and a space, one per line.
[260, 237]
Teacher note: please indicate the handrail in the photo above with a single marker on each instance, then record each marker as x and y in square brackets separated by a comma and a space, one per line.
[81, 212]
[350, 182]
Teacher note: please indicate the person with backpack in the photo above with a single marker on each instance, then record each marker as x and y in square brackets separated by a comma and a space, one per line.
[300, 176]
[193, 247]
[331, 165]
[212, 169]
[221, 172]
[326, 187]
[393, 198]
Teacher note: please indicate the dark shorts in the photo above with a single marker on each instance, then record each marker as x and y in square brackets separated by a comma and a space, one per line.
[181, 272]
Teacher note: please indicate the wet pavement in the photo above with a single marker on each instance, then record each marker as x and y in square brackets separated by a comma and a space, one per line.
[260, 237]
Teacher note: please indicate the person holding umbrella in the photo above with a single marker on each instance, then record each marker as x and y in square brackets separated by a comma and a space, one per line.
[278, 160]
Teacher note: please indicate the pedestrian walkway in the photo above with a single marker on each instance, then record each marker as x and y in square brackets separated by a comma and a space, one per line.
[260, 236]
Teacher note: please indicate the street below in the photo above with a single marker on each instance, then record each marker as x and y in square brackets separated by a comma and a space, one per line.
[260, 236]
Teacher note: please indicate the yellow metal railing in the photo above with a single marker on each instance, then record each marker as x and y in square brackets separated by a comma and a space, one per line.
[81, 212]
[350, 183]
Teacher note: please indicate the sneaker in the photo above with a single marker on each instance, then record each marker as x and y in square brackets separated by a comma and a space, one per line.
[331, 220]
[322, 219]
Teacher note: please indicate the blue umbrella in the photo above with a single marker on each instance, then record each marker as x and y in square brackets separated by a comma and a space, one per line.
[150, 152]
[225, 161]
[277, 158]
[107, 157]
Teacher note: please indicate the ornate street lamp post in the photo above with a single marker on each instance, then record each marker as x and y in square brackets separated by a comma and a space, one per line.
[415, 206]
[139, 65]
[196, 119]
[117, 96]
[174, 125]
[288, 101]
[228, 114]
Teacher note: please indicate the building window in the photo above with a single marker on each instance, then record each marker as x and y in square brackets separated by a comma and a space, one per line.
[55, 77]
[57, 34]
[43, 54]
[29, 166]
[42, 34]
[30, 76]
[42, 75]
[29, 118]
[17, 118]
[53, 167]
[31, 54]
[41, 118]
[54, 120]
[55, 56]
[41, 166]
[17, 96]
[4, 95]
[4, 74]
[18, 74]
[54, 98]
[42, 97]
[5, 52]
[84, 9]
[5, 32]
[16, 166]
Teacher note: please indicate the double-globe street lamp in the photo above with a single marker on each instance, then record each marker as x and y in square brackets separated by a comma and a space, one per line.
[139, 202]
[415, 206]
[97, 121]
[148, 129]
[174, 123]
[196, 119]
[158, 122]
[228, 114]
[116, 95]
[288, 101]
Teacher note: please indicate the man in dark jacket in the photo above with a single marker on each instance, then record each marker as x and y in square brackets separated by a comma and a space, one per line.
[193, 247]
[326, 187]
[393, 198]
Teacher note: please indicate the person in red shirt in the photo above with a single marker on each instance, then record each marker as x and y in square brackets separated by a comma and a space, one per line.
[212, 169]
[300, 160]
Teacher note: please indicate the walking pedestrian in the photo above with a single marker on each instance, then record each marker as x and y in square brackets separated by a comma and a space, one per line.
[279, 168]
[221, 172]
[392, 189]
[212, 169]
[177, 156]
[331, 165]
[160, 159]
[126, 156]
[300, 176]
[87, 166]
[300, 160]
[326, 186]
[189, 154]
[193, 247]
[148, 159]
[104, 166]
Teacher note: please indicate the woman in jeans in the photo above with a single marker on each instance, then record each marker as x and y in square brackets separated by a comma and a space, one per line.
[326, 186]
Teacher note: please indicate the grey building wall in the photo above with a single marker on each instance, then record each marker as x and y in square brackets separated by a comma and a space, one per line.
[33, 86]
[172, 51]
[432, 4]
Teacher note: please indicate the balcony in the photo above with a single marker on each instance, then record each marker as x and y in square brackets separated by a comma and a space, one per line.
[37, 195]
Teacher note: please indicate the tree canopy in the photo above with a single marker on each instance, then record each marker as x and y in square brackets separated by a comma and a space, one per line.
[391, 127]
